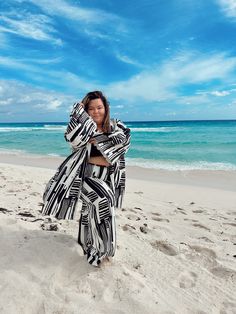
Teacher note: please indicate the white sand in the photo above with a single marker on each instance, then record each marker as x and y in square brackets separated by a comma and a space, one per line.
[172, 256]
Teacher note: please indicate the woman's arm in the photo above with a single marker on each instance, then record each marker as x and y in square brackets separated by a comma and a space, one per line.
[80, 128]
[113, 145]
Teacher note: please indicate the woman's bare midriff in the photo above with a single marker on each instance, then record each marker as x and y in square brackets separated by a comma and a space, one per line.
[98, 160]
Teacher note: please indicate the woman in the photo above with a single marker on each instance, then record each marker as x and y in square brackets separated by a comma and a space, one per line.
[94, 173]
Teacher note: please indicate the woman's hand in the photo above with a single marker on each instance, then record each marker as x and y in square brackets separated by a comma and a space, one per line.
[75, 109]
[92, 141]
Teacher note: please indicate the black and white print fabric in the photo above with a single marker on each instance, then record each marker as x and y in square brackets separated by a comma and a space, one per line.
[71, 182]
[97, 230]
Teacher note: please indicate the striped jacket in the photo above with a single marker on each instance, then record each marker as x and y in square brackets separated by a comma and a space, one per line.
[63, 190]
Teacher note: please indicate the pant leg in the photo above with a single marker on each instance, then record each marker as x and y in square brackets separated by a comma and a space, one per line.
[84, 236]
[97, 230]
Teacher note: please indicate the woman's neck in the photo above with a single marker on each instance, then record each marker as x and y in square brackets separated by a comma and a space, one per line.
[99, 127]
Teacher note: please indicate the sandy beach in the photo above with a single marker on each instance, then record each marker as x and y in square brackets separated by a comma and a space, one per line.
[176, 245]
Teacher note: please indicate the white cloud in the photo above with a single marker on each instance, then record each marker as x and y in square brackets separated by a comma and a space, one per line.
[217, 93]
[37, 27]
[93, 22]
[24, 97]
[62, 79]
[155, 85]
[119, 106]
[228, 7]
[96, 34]
[128, 60]
[6, 101]
[75, 83]
[220, 94]
[162, 83]
[51, 105]
[17, 64]
[29, 64]
[77, 13]
[96, 24]
[42, 61]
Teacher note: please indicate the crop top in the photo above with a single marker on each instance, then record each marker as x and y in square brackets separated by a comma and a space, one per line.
[94, 151]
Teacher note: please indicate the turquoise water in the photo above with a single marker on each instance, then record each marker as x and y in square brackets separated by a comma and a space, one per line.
[173, 145]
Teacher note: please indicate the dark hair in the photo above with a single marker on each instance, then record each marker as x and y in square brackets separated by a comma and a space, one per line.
[106, 126]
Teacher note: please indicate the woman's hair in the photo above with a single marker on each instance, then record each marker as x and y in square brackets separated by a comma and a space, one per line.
[95, 95]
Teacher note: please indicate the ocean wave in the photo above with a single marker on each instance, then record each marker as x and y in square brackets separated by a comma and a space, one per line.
[28, 129]
[12, 151]
[176, 166]
[54, 155]
[21, 152]
[54, 126]
[158, 130]
[17, 129]
[48, 127]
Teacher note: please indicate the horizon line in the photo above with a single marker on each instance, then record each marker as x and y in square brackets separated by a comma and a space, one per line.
[185, 120]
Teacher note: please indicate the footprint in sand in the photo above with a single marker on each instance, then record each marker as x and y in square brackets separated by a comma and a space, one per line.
[223, 272]
[205, 239]
[49, 227]
[137, 265]
[13, 191]
[193, 220]
[203, 250]
[84, 287]
[231, 213]
[144, 228]
[160, 219]
[229, 224]
[187, 279]
[5, 210]
[156, 214]
[228, 308]
[128, 227]
[181, 210]
[203, 256]
[201, 226]
[198, 211]
[34, 193]
[133, 217]
[164, 247]
[138, 208]
[26, 214]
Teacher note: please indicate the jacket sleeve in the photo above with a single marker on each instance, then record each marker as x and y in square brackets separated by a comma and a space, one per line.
[80, 128]
[115, 144]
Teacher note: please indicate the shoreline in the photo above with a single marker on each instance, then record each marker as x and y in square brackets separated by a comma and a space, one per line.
[218, 179]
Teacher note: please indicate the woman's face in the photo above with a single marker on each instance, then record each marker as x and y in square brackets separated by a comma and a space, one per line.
[96, 110]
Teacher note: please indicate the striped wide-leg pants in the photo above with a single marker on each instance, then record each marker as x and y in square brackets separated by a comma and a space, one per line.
[97, 229]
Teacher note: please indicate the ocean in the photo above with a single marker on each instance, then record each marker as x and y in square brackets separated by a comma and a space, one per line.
[172, 145]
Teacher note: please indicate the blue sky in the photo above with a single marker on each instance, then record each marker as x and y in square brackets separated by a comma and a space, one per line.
[153, 59]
